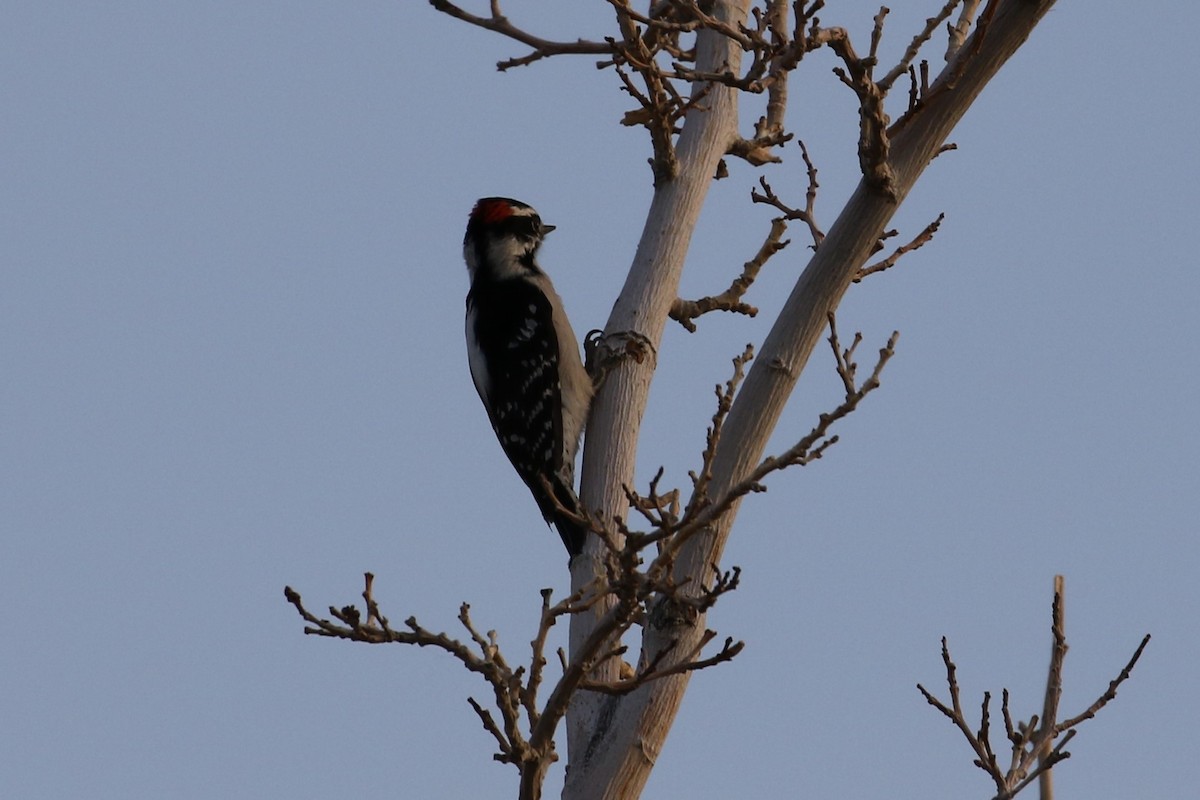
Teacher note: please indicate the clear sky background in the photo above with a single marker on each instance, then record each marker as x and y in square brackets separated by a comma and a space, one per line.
[231, 358]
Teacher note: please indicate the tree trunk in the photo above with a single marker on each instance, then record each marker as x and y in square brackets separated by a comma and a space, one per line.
[613, 742]
[610, 448]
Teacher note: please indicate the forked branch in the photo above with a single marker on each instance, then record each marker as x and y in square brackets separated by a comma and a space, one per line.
[917, 242]
[806, 214]
[1038, 744]
[523, 728]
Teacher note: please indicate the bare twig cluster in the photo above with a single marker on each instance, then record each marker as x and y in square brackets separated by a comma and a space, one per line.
[685, 312]
[654, 59]
[522, 724]
[524, 732]
[807, 215]
[641, 588]
[703, 509]
[655, 56]
[1035, 746]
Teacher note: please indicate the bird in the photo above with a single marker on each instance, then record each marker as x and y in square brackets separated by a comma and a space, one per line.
[524, 358]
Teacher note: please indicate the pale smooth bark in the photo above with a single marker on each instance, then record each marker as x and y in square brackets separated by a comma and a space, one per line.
[610, 447]
[614, 741]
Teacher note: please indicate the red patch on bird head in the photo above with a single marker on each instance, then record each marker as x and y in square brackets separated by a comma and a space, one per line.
[492, 210]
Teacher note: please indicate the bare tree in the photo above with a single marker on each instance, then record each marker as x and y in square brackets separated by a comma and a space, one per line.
[640, 591]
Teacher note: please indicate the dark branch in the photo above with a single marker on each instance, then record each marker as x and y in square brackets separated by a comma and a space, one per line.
[918, 241]
[542, 48]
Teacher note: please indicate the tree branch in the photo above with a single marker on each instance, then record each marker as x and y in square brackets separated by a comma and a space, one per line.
[874, 144]
[805, 215]
[918, 241]
[702, 513]
[1033, 750]
[686, 311]
[542, 48]
[959, 30]
[914, 47]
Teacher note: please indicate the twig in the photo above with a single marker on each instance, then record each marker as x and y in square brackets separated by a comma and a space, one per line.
[874, 146]
[845, 364]
[727, 653]
[805, 215]
[702, 512]
[1054, 684]
[918, 41]
[1109, 693]
[686, 311]
[918, 241]
[725, 395]
[489, 724]
[542, 48]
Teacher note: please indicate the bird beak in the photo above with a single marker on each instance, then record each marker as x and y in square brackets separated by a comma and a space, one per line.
[547, 228]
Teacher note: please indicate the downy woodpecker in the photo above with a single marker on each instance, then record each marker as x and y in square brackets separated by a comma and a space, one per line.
[524, 357]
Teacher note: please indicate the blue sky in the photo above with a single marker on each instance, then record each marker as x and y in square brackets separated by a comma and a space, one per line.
[231, 296]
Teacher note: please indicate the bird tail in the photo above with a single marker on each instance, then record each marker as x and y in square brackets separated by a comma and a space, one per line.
[560, 506]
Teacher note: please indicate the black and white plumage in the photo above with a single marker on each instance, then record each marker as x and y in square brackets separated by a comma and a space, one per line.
[524, 357]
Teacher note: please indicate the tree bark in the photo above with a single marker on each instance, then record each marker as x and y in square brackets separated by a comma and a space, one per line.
[614, 741]
[610, 446]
